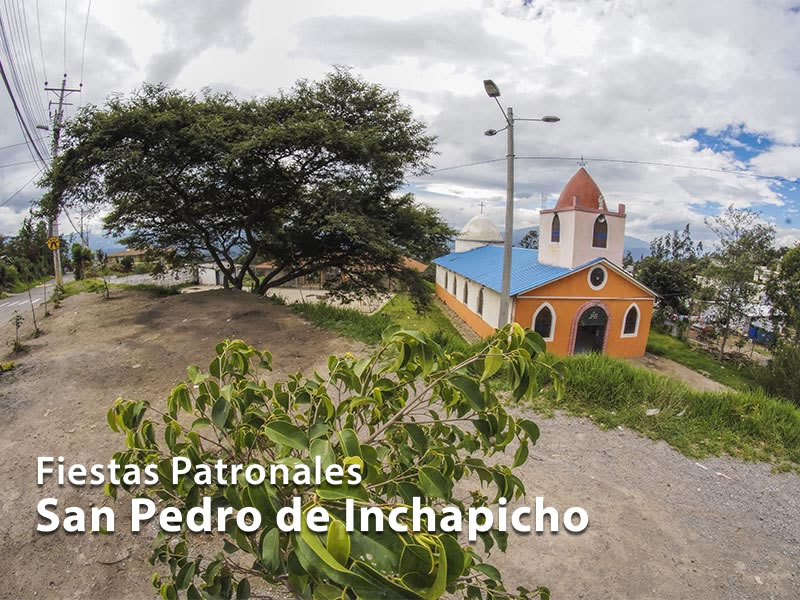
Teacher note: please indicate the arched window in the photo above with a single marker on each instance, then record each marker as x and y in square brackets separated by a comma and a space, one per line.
[600, 233]
[480, 302]
[446, 279]
[544, 321]
[630, 327]
[466, 292]
[454, 285]
[555, 230]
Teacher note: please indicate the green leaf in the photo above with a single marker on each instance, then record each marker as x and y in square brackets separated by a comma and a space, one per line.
[488, 570]
[338, 542]
[271, 549]
[417, 435]
[521, 455]
[470, 390]
[326, 491]
[243, 590]
[185, 576]
[350, 444]
[322, 447]
[219, 414]
[492, 362]
[530, 428]
[287, 434]
[440, 584]
[193, 594]
[112, 420]
[434, 484]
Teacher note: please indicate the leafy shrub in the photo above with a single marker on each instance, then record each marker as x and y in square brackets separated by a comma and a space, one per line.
[781, 375]
[415, 418]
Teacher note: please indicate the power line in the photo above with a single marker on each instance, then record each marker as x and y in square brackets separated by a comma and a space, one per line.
[27, 162]
[662, 164]
[622, 161]
[17, 144]
[19, 77]
[65, 37]
[41, 47]
[85, 31]
[15, 194]
[472, 164]
[20, 118]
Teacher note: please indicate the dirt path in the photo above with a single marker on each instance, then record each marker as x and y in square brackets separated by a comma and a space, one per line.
[678, 371]
[661, 527]
[54, 404]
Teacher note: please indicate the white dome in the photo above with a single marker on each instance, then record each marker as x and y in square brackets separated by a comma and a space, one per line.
[479, 231]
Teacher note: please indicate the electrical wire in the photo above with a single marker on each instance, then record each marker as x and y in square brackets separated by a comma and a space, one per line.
[65, 38]
[19, 76]
[20, 118]
[17, 144]
[41, 47]
[85, 31]
[15, 194]
[27, 162]
[621, 161]
[472, 164]
[662, 164]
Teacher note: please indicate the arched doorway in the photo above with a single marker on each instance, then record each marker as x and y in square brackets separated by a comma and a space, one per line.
[590, 334]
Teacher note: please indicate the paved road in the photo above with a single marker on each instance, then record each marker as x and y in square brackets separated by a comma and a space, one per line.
[21, 302]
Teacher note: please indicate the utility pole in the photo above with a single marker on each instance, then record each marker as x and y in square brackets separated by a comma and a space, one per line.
[58, 117]
[505, 290]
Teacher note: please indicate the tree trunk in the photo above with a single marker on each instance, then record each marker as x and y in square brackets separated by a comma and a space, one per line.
[722, 345]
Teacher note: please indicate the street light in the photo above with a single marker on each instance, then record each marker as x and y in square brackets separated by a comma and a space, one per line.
[494, 92]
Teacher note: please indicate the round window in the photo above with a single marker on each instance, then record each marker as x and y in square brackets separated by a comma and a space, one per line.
[597, 277]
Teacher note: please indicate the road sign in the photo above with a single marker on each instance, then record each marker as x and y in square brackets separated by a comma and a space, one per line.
[53, 243]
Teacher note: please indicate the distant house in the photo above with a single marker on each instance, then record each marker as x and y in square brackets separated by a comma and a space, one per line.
[410, 263]
[136, 255]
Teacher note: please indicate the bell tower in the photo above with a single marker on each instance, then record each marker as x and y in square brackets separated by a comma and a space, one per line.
[581, 227]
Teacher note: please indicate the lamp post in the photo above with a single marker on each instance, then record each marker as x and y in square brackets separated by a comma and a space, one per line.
[505, 291]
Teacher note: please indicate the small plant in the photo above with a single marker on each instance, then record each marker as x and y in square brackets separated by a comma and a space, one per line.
[419, 421]
[6, 367]
[17, 319]
[59, 293]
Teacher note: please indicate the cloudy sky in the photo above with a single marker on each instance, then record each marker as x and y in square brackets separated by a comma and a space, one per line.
[711, 84]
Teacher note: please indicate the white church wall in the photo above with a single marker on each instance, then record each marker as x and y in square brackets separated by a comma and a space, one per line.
[559, 254]
[584, 251]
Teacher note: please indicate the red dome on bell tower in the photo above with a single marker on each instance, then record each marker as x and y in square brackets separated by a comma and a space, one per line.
[581, 192]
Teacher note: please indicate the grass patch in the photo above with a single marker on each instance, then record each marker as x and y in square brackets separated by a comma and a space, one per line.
[611, 392]
[72, 288]
[730, 373]
[368, 328]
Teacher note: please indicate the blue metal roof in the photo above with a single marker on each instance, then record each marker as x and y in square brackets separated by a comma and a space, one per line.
[484, 265]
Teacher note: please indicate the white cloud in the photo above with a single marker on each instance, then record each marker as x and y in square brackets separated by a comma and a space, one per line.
[629, 80]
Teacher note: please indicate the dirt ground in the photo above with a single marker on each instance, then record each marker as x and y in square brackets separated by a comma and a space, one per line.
[661, 526]
[678, 371]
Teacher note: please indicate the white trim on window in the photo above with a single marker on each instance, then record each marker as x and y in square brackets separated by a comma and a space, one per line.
[552, 320]
[589, 277]
[625, 319]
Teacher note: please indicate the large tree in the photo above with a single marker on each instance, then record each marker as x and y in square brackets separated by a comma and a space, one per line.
[744, 244]
[783, 291]
[670, 269]
[530, 240]
[304, 181]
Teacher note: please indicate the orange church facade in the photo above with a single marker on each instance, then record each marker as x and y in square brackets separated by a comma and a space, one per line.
[595, 306]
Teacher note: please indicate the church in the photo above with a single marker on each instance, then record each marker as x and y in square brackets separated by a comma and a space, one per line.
[573, 290]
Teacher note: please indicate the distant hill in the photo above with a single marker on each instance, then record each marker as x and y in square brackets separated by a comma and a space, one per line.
[638, 248]
[98, 241]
